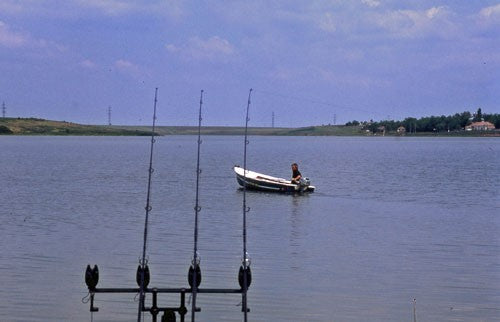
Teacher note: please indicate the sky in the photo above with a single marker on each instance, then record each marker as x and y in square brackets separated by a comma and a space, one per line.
[309, 62]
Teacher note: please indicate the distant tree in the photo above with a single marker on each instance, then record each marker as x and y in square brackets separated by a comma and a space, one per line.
[455, 122]
[410, 123]
[479, 116]
[425, 124]
[493, 118]
[464, 119]
[373, 126]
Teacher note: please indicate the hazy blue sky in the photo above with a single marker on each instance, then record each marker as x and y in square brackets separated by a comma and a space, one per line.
[307, 60]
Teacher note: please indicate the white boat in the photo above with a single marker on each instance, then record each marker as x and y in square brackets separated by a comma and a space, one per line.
[259, 181]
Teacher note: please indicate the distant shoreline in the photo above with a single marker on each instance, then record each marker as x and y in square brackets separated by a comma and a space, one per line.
[34, 126]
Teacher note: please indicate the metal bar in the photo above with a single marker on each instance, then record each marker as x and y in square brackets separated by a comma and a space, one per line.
[154, 307]
[183, 306]
[169, 290]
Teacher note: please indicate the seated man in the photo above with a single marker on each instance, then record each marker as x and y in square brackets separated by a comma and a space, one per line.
[296, 175]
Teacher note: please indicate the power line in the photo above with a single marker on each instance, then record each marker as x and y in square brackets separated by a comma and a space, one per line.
[3, 109]
[317, 102]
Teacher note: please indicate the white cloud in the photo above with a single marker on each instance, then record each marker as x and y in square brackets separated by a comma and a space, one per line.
[10, 7]
[434, 12]
[490, 14]
[87, 63]
[111, 7]
[52, 8]
[213, 45]
[77, 8]
[171, 8]
[327, 23]
[283, 74]
[16, 39]
[172, 48]
[352, 79]
[490, 11]
[197, 48]
[129, 68]
[126, 66]
[371, 3]
[417, 23]
[11, 39]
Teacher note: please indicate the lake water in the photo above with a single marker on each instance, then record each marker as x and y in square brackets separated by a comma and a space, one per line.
[392, 219]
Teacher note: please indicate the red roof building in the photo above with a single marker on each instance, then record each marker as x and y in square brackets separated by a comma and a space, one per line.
[480, 126]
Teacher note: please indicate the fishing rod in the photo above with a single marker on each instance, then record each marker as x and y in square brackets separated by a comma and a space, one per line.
[194, 274]
[414, 310]
[143, 269]
[245, 274]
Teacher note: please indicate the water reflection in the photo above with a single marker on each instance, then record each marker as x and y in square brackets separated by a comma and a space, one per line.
[295, 234]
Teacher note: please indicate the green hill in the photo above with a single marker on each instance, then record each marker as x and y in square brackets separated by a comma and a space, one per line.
[34, 126]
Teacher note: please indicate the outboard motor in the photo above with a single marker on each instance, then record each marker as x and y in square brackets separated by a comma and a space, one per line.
[304, 182]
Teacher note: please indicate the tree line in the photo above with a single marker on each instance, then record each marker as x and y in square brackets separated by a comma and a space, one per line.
[456, 122]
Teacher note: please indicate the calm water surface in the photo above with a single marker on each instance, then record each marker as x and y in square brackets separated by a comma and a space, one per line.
[393, 219]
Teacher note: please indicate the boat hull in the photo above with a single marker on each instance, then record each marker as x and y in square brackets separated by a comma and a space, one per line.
[257, 181]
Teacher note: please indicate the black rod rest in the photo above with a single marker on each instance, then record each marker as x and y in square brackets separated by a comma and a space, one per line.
[191, 275]
[194, 277]
[245, 276]
[92, 277]
[142, 275]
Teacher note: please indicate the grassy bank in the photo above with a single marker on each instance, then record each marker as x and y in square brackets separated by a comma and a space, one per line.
[34, 126]
[233, 130]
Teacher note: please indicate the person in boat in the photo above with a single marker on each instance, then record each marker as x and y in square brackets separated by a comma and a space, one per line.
[296, 175]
